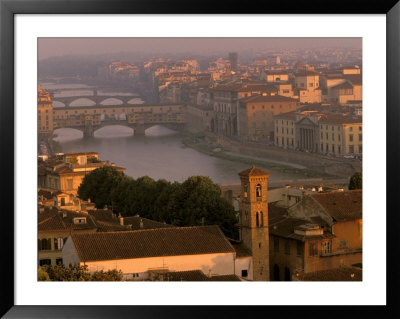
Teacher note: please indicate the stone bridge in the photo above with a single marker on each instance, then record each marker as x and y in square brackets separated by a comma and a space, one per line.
[98, 100]
[95, 98]
[88, 119]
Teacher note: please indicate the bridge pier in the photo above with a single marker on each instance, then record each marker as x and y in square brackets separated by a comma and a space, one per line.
[88, 131]
[139, 130]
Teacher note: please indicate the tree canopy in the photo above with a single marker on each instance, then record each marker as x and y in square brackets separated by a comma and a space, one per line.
[76, 273]
[196, 201]
[356, 181]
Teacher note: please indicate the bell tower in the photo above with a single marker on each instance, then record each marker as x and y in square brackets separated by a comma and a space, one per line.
[254, 219]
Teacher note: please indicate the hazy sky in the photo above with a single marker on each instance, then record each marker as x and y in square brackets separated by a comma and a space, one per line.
[82, 46]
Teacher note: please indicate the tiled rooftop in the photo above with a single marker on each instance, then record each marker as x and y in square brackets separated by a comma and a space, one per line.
[267, 98]
[151, 243]
[337, 274]
[253, 171]
[341, 206]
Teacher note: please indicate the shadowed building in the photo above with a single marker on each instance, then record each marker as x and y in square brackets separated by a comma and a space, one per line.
[233, 59]
[321, 232]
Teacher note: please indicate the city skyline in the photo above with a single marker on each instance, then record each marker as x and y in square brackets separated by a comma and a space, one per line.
[51, 47]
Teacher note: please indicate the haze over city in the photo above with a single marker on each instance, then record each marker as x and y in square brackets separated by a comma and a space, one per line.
[49, 47]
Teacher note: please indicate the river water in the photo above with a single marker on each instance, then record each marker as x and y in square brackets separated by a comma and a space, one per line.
[159, 154]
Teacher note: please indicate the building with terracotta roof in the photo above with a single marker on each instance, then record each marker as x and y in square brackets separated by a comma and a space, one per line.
[225, 100]
[340, 134]
[323, 231]
[137, 253]
[56, 198]
[342, 88]
[54, 227]
[56, 223]
[137, 222]
[314, 129]
[307, 85]
[256, 122]
[274, 76]
[337, 274]
[66, 172]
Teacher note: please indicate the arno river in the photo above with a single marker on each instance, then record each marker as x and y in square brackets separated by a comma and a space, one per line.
[159, 154]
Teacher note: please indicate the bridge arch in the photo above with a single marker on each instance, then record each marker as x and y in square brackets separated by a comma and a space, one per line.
[134, 100]
[86, 100]
[68, 133]
[57, 103]
[113, 130]
[110, 101]
[160, 129]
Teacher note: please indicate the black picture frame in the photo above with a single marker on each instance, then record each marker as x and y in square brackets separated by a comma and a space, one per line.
[8, 10]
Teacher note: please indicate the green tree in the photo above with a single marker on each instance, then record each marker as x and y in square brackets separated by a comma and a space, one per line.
[199, 202]
[98, 184]
[356, 181]
[43, 275]
[196, 201]
[76, 273]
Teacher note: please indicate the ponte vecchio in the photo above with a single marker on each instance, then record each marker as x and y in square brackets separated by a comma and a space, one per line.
[139, 117]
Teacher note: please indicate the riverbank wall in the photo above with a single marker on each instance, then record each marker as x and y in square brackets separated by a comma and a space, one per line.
[337, 167]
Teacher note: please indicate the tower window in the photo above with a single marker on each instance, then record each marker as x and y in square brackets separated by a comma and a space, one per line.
[258, 191]
[257, 220]
[245, 191]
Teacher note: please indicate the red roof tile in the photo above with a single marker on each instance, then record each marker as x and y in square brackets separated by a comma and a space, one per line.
[341, 206]
[267, 98]
[253, 171]
[151, 243]
[337, 274]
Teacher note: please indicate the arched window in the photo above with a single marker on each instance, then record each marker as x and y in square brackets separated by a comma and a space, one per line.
[257, 220]
[258, 191]
[262, 219]
[245, 191]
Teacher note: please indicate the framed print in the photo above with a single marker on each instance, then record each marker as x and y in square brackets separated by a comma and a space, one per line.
[274, 114]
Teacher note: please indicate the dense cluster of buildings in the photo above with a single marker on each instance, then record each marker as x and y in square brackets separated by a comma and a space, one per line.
[274, 100]
[285, 233]
[65, 172]
[119, 72]
[255, 102]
